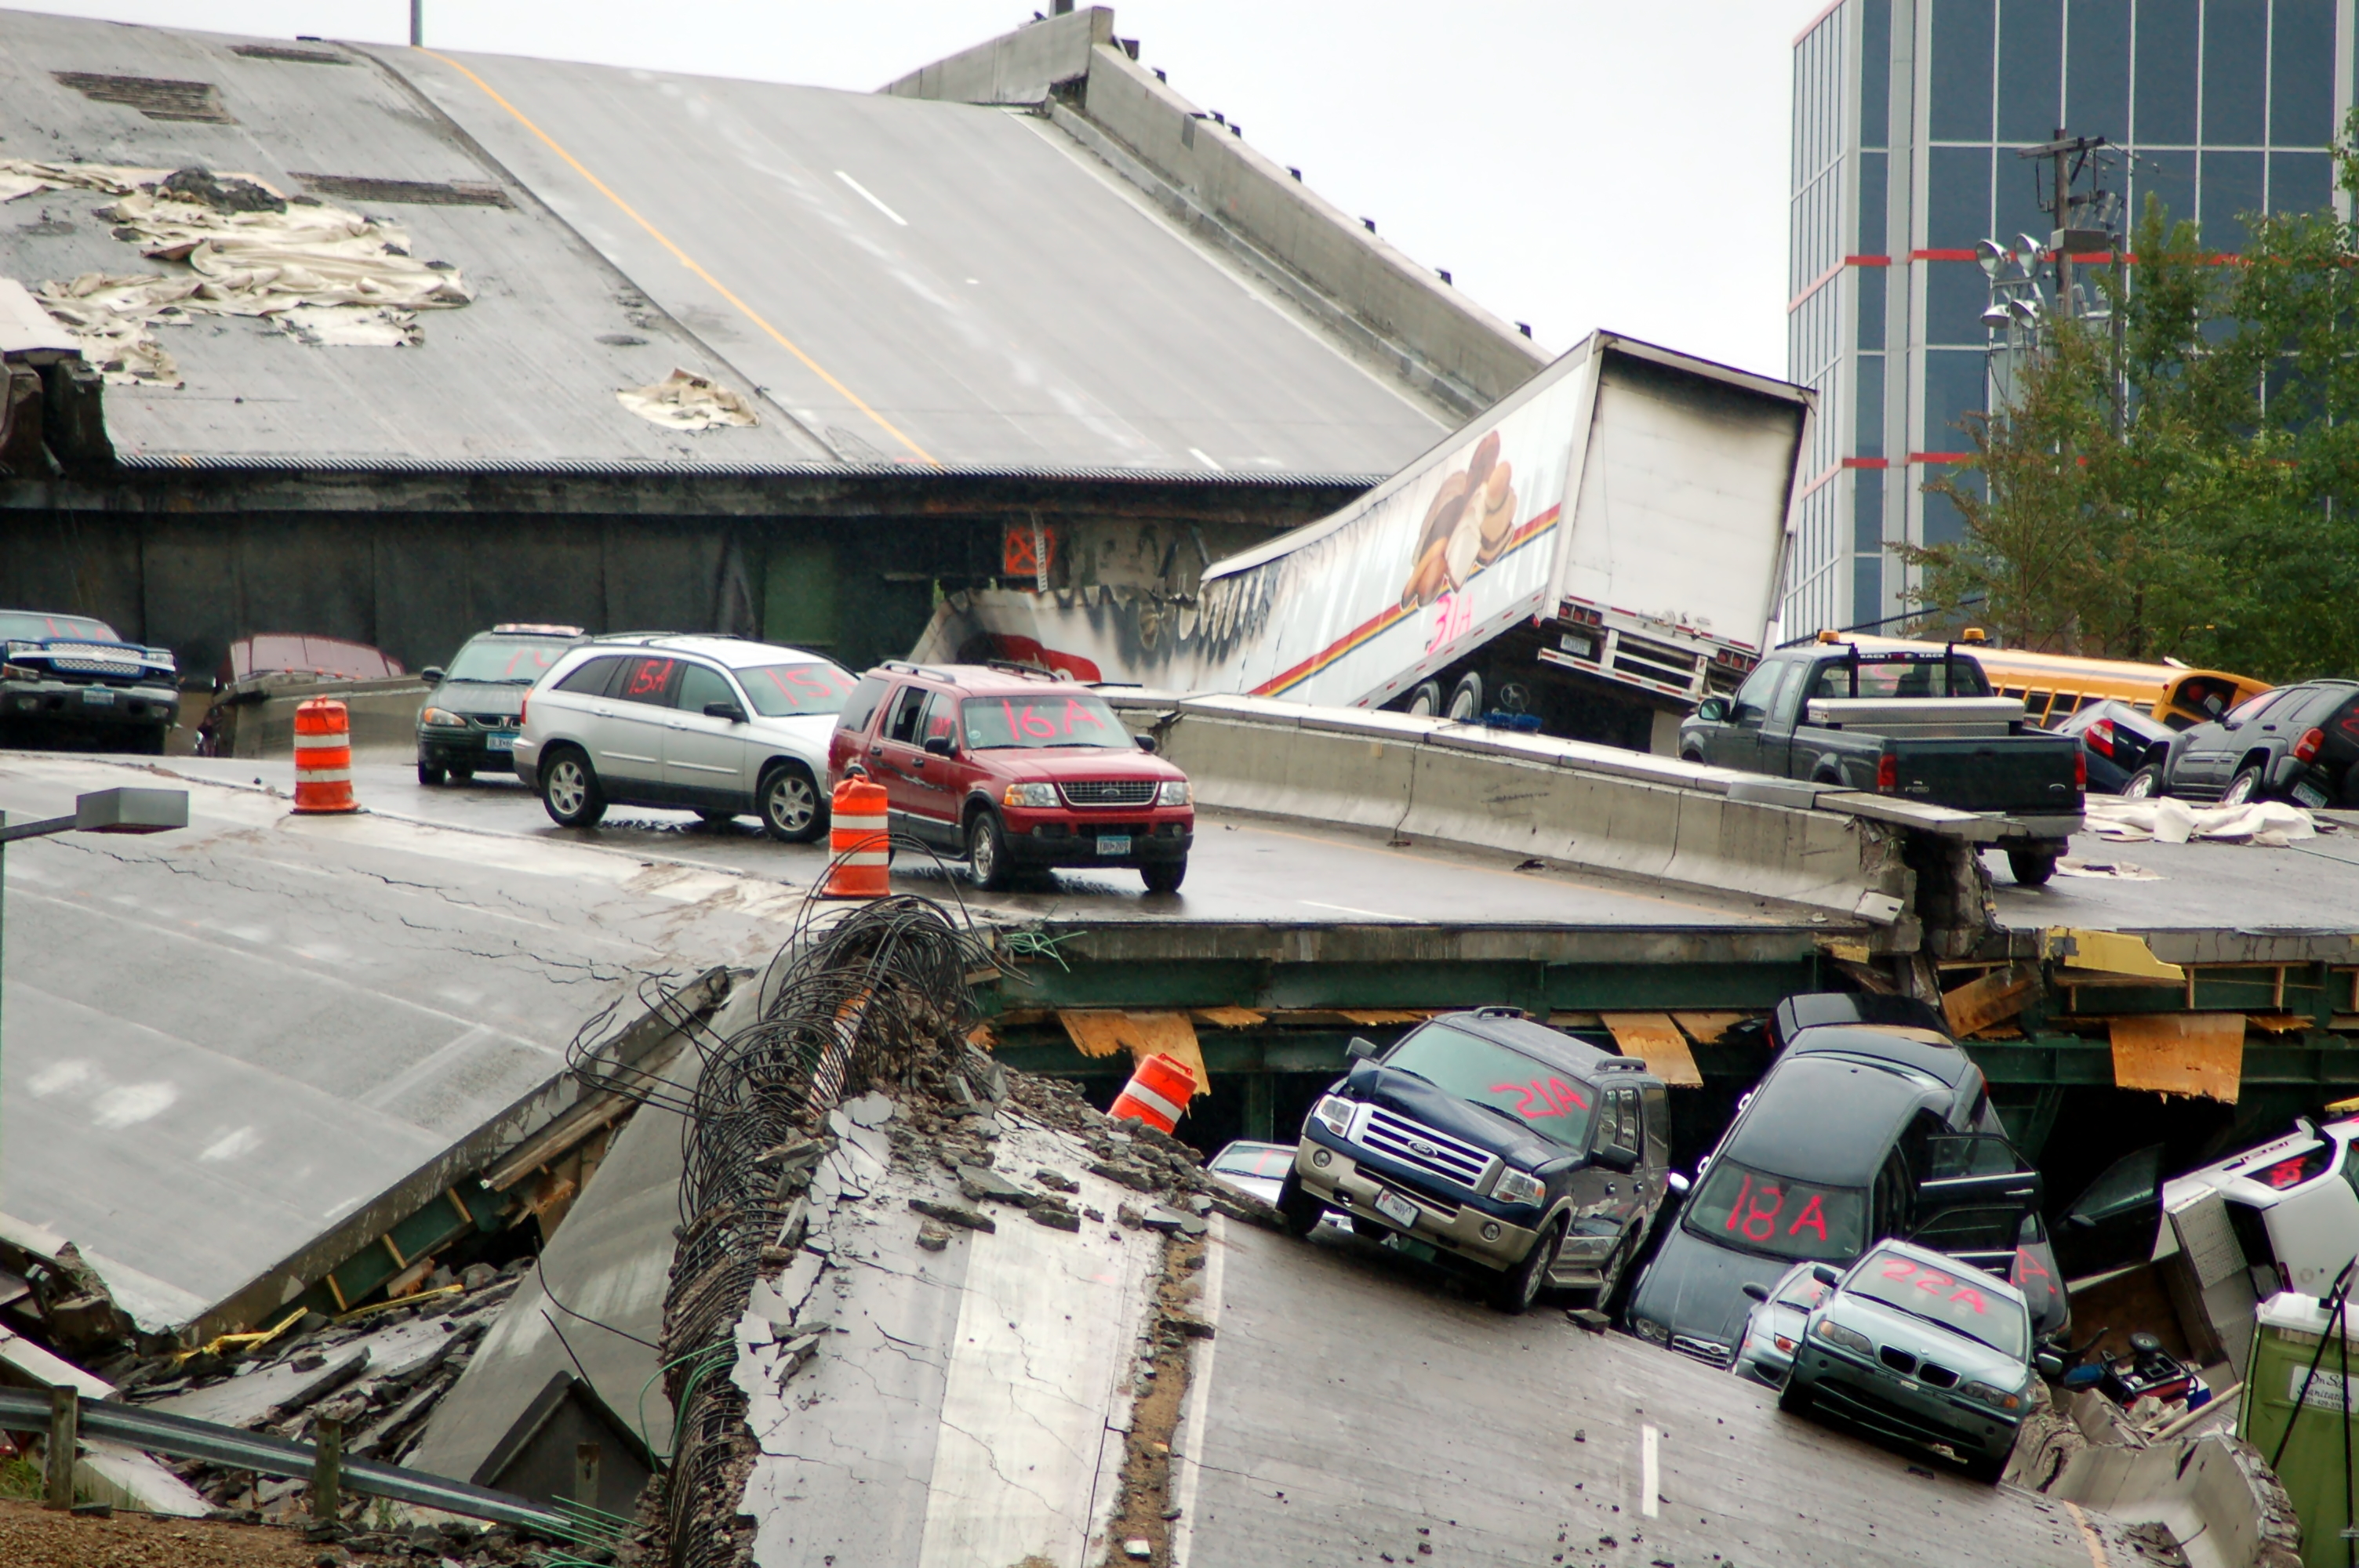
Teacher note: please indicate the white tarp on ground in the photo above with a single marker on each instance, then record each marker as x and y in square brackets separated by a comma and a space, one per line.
[326, 275]
[684, 402]
[2268, 822]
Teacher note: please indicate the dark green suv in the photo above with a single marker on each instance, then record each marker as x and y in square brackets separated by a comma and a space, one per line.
[469, 720]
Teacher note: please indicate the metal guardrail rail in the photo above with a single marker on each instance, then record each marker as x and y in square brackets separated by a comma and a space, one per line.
[155, 1432]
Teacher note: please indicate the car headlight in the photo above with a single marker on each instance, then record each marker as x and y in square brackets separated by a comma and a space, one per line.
[442, 717]
[1031, 795]
[1648, 1329]
[1518, 1186]
[1851, 1339]
[1334, 1113]
[1173, 792]
[1982, 1393]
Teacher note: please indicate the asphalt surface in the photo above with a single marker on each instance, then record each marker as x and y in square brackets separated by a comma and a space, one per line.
[1350, 1408]
[224, 1041]
[2202, 886]
[1242, 868]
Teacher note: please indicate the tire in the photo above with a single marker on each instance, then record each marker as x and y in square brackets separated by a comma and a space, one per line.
[1515, 1289]
[2244, 789]
[152, 742]
[1694, 759]
[1301, 1211]
[986, 852]
[789, 804]
[2144, 785]
[1796, 1398]
[2349, 793]
[1424, 699]
[1466, 699]
[1164, 876]
[1609, 1278]
[2032, 867]
[716, 819]
[1984, 1469]
[569, 789]
[430, 775]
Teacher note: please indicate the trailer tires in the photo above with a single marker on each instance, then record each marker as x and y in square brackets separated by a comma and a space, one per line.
[1466, 699]
[1424, 700]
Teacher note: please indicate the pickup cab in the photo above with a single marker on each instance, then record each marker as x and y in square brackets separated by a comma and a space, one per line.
[1540, 1159]
[1915, 724]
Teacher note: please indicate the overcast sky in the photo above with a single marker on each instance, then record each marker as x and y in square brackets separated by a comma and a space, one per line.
[1573, 163]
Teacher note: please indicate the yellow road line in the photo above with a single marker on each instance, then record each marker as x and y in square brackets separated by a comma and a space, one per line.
[2096, 1547]
[684, 258]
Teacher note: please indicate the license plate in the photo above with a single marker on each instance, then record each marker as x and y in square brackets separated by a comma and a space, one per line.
[1113, 844]
[2308, 794]
[498, 742]
[1398, 1210]
[98, 697]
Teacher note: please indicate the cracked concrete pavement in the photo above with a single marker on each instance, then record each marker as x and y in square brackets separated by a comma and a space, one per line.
[220, 1041]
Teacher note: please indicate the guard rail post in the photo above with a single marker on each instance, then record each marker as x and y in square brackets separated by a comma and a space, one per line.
[327, 1469]
[65, 1442]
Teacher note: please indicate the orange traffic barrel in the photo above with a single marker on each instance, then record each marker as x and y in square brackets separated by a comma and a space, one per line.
[859, 838]
[1158, 1093]
[323, 757]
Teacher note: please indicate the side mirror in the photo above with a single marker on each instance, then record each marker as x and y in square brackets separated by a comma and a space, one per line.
[2080, 1222]
[1758, 1290]
[432, 675]
[729, 710]
[1714, 710]
[1826, 1275]
[2050, 1364]
[1146, 744]
[1622, 1162]
[1676, 1182]
[938, 745]
[1361, 1050]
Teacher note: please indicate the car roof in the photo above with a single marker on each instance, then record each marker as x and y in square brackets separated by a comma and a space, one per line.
[1990, 1283]
[1939, 1058]
[982, 680]
[737, 653]
[1819, 1118]
[1506, 1027]
[1809, 1010]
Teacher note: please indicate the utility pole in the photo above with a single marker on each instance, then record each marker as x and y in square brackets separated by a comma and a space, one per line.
[2069, 155]
[417, 24]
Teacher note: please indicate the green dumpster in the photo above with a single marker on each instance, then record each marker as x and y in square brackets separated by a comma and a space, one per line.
[2280, 1382]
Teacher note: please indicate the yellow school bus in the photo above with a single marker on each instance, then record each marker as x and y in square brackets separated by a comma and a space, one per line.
[2052, 685]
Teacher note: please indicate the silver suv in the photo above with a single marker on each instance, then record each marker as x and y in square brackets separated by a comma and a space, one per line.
[716, 724]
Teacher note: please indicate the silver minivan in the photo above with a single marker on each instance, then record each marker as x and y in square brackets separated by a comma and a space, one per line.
[719, 726]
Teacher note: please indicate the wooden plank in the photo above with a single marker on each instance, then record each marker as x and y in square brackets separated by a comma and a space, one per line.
[1230, 1017]
[2181, 1053]
[2281, 1022]
[1654, 1039]
[1103, 1032]
[1375, 1017]
[1706, 1028]
[1995, 998]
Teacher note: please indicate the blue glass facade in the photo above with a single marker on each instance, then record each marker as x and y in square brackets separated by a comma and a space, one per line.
[1907, 117]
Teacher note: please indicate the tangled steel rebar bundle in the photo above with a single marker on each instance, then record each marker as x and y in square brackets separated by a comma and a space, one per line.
[863, 1000]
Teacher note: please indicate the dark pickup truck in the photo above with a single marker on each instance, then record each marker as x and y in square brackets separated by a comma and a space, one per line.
[71, 680]
[1910, 723]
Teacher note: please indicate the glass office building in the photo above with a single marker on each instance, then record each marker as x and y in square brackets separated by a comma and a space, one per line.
[1907, 116]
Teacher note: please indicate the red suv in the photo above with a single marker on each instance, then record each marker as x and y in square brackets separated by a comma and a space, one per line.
[1013, 770]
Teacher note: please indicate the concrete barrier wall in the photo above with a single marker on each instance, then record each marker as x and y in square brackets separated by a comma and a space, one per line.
[1019, 68]
[2215, 1493]
[381, 713]
[1561, 800]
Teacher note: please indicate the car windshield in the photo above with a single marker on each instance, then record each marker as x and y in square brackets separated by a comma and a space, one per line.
[31, 626]
[1260, 1159]
[1056, 719]
[1959, 1300]
[1740, 1207]
[1487, 1073]
[1901, 676]
[506, 661]
[786, 691]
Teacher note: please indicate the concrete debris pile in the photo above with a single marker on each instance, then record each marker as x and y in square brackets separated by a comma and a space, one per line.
[324, 275]
[2265, 824]
[849, 1134]
[684, 401]
[379, 1372]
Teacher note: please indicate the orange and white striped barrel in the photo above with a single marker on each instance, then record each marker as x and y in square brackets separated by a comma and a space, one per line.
[1158, 1093]
[323, 757]
[859, 838]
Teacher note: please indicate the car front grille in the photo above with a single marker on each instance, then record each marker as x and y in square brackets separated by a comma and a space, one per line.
[1413, 1144]
[109, 669]
[1108, 792]
[496, 720]
[1711, 1351]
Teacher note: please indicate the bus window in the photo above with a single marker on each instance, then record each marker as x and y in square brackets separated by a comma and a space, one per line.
[2193, 699]
[2036, 705]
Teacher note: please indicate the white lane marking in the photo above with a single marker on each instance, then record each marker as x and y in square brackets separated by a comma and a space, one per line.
[1206, 458]
[870, 196]
[1650, 1480]
[1199, 1390]
[1347, 909]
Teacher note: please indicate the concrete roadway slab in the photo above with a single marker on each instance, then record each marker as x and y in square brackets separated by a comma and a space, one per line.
[2304, 887]
[1242, 868]
[1347, 1405]
[222, 1041]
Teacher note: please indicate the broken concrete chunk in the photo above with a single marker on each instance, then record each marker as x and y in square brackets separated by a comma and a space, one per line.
[1133, 1176]
[869, 1110]
[1163, 1219]
[1193, 1327]
[1200, 1204]
[1056, 1219]
[1056, 1181]
[1094, 1216]
[1591, 1319]
[983, 1126]
[953, 1214]
[986, 1183]
[1193, 1225]
[1125, 1216]
[933, 1237]
[1139, 1548]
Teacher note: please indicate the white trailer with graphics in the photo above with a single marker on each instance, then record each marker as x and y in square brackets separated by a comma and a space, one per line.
[1597, 553]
